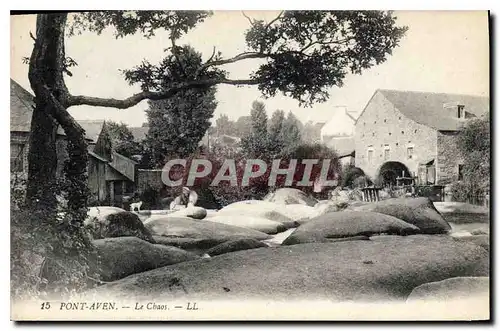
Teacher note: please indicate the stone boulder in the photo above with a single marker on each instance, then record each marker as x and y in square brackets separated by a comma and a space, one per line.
[196, 246]
[352, 271]
[348, 224]
[300, 213]
[249, 222]
[236, 245]
[461, 288]
[290, 196]
[417, 211]
[100, 213]
[121, 257]
[480, 240]
[445, 207]
[120, 224]
[118, 258]
[327, 206]
[191, 211]
[267, 213]
[189, 228]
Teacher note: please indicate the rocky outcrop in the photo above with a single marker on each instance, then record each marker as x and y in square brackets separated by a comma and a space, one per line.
[290, 196]
[200, 229]
[360, 271]
[348, 224]
[235, 245]
[417, 211]
[250, 222]
[461, 288]
[120, 224]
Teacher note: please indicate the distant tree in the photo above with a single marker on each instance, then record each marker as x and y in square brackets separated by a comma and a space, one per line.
[243, 126]
[224, 125]
[311, 133]
[276, 142]
[177, 124]
[122, 139]
[291, 132]
[255, 144]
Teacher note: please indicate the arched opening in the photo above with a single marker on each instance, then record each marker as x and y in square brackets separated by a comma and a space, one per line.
[390, 171]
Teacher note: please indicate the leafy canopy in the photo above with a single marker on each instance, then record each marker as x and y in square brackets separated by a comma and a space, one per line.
[305, 52]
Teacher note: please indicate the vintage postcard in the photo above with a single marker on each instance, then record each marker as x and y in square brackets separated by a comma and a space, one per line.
[250, 165]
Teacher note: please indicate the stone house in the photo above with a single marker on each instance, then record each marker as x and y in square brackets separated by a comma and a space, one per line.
[110, 174]
[413, 135]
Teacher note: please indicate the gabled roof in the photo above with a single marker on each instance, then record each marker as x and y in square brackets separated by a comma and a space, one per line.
[139, 132]
[340, 124]
[92, 129]
[21, 111]
[428, 108]
[21, 108]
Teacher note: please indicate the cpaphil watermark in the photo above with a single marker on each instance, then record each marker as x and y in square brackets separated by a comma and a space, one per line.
[252, 169]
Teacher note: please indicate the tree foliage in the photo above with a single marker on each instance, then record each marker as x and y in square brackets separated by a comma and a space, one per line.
[292, 128]
[255, 144]
[474, 145]
[276, 141]
[177, 124]
[223, 125]
[122, 139]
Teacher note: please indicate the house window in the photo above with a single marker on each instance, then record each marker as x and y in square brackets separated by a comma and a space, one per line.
[460, 111]
[16, 158]
[409, 152]
[460, 172]
[370, 155]
[387, 152]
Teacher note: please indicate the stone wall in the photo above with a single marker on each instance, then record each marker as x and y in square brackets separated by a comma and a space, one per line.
[449, 157]
[381, 125]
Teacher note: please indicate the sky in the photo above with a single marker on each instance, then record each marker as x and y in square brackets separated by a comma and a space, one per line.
[445, 51]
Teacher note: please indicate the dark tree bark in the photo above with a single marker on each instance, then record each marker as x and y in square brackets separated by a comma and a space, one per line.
[45, 72]
[47, 67]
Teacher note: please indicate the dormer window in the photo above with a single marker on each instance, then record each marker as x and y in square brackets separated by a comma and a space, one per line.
[461, 111]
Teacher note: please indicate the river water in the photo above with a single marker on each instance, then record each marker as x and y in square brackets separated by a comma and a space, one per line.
[468, 224]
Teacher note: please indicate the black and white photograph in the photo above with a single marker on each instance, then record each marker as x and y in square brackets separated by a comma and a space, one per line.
[251, 165]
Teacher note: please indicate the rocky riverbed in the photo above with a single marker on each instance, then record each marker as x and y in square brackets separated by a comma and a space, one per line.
[367, 252]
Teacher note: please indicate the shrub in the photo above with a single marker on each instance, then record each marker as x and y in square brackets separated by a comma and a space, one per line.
[350, 174]
[361, 181]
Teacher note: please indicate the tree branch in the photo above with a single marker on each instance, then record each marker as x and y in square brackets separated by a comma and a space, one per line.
[239, 57]
[149, 95]
[274, 20]
[248, 18]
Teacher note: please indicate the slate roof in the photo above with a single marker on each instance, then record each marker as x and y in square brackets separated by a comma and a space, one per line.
[21, 111]
[428, 108]
[92, 129]
[21, 108]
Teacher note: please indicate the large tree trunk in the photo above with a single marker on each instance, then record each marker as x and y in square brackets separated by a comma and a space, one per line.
[47, 66]
[45, 72]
